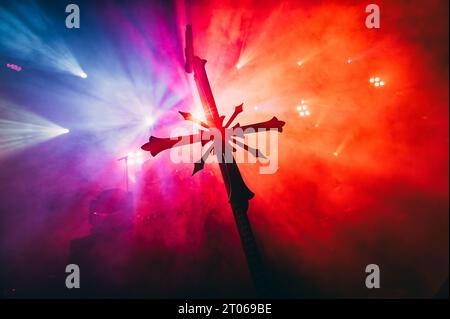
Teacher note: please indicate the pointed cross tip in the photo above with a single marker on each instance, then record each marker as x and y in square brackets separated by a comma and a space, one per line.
[146, 147]
[189, 117]
[185, 115]
[282, 123]
[237, 110]
[198, 167]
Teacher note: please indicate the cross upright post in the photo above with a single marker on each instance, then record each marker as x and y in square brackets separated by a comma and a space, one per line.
[238, 192]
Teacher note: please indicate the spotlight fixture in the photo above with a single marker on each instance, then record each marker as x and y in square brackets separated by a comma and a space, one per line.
[303, 109]
[14, 67]
[199, 114]
[149, 120]
[135, 158]
[376, 81]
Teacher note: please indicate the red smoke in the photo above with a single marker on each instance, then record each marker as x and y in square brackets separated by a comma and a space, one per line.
[321, 218]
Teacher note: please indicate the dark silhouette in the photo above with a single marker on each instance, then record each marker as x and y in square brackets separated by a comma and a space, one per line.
[238, 192]
[104, 255]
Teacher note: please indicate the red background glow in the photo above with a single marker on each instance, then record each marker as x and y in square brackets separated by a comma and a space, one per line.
[321, 218]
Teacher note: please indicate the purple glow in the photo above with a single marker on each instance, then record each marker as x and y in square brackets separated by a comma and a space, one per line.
[14, 67]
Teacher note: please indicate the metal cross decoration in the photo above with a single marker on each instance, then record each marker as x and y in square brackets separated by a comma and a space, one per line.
[238, 193]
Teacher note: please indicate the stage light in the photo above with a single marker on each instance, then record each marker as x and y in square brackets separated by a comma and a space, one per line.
[34, 39]
[376, 81]
[238, 66]
[149, 120]
[74, 68]
[336, 154]
[299, 63]
[199, 114]
[303, 109]
[304, 113]
[77, 71]
[349, 61]
[317, 125]
[135, 158]
[14, 67]
[139, 157]
[54, 131]
[20, 128]
[256, 108]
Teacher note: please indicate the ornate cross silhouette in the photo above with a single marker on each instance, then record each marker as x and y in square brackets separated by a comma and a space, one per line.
[238, 193]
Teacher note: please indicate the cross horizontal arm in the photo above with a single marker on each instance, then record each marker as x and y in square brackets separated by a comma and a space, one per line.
[273, 123]
[156, 145]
